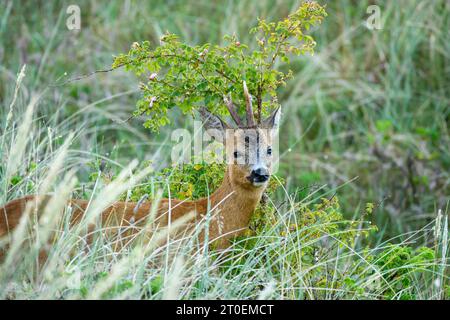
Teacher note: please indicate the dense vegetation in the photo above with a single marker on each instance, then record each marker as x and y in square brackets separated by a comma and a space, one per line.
[358, 209]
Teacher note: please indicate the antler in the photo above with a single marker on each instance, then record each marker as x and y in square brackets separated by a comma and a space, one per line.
[232, 109]
[249, 108]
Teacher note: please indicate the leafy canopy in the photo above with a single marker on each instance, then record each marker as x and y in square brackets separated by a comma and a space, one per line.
[185, 76]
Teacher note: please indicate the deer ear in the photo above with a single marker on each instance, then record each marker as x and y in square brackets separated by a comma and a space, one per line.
[211, 121]
[273, 121]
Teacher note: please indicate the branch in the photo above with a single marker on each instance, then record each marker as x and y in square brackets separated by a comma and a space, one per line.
[259, 103]
[87, 75]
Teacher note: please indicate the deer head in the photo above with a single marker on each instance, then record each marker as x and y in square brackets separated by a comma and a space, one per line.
[248, 147]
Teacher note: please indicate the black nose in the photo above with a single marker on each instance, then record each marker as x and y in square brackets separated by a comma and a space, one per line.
[259, 175]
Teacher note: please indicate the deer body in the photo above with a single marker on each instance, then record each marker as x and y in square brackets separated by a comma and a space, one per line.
[231, 209]
[230, 206]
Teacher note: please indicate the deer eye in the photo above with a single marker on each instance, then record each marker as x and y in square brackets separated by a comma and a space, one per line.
[236, 154]
[269, 150]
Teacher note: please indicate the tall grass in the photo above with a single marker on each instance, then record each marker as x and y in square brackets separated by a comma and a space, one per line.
[366, 118]
[270, 265]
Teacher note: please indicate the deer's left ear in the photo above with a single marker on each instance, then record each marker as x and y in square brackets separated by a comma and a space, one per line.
[211, 121]
[273, 121]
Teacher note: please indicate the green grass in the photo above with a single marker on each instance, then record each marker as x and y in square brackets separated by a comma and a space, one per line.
[366, 118]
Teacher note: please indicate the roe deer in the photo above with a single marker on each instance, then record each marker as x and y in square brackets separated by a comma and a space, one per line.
[232, 203]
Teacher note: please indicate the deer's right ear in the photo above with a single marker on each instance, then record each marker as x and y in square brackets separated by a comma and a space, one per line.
[273, 121]
[211, 121]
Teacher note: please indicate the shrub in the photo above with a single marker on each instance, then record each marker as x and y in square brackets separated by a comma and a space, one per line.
[179, 74]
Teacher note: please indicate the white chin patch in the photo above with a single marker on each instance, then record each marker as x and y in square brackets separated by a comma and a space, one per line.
[259, 184]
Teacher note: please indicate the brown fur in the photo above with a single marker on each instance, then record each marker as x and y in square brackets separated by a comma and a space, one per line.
[233, 203]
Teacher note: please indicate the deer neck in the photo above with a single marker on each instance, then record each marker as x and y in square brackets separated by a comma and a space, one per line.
[235, 203]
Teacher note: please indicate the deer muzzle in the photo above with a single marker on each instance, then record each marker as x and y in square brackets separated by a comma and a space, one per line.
[259, 176]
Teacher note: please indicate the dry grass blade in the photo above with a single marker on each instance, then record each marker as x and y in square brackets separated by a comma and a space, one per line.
[136, 256]
[20, 141]
[20, 77]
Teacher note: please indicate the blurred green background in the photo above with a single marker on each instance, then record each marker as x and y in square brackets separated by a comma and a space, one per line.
[367, 115]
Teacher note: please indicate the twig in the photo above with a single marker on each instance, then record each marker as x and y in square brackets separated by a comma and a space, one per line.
[88, 75]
